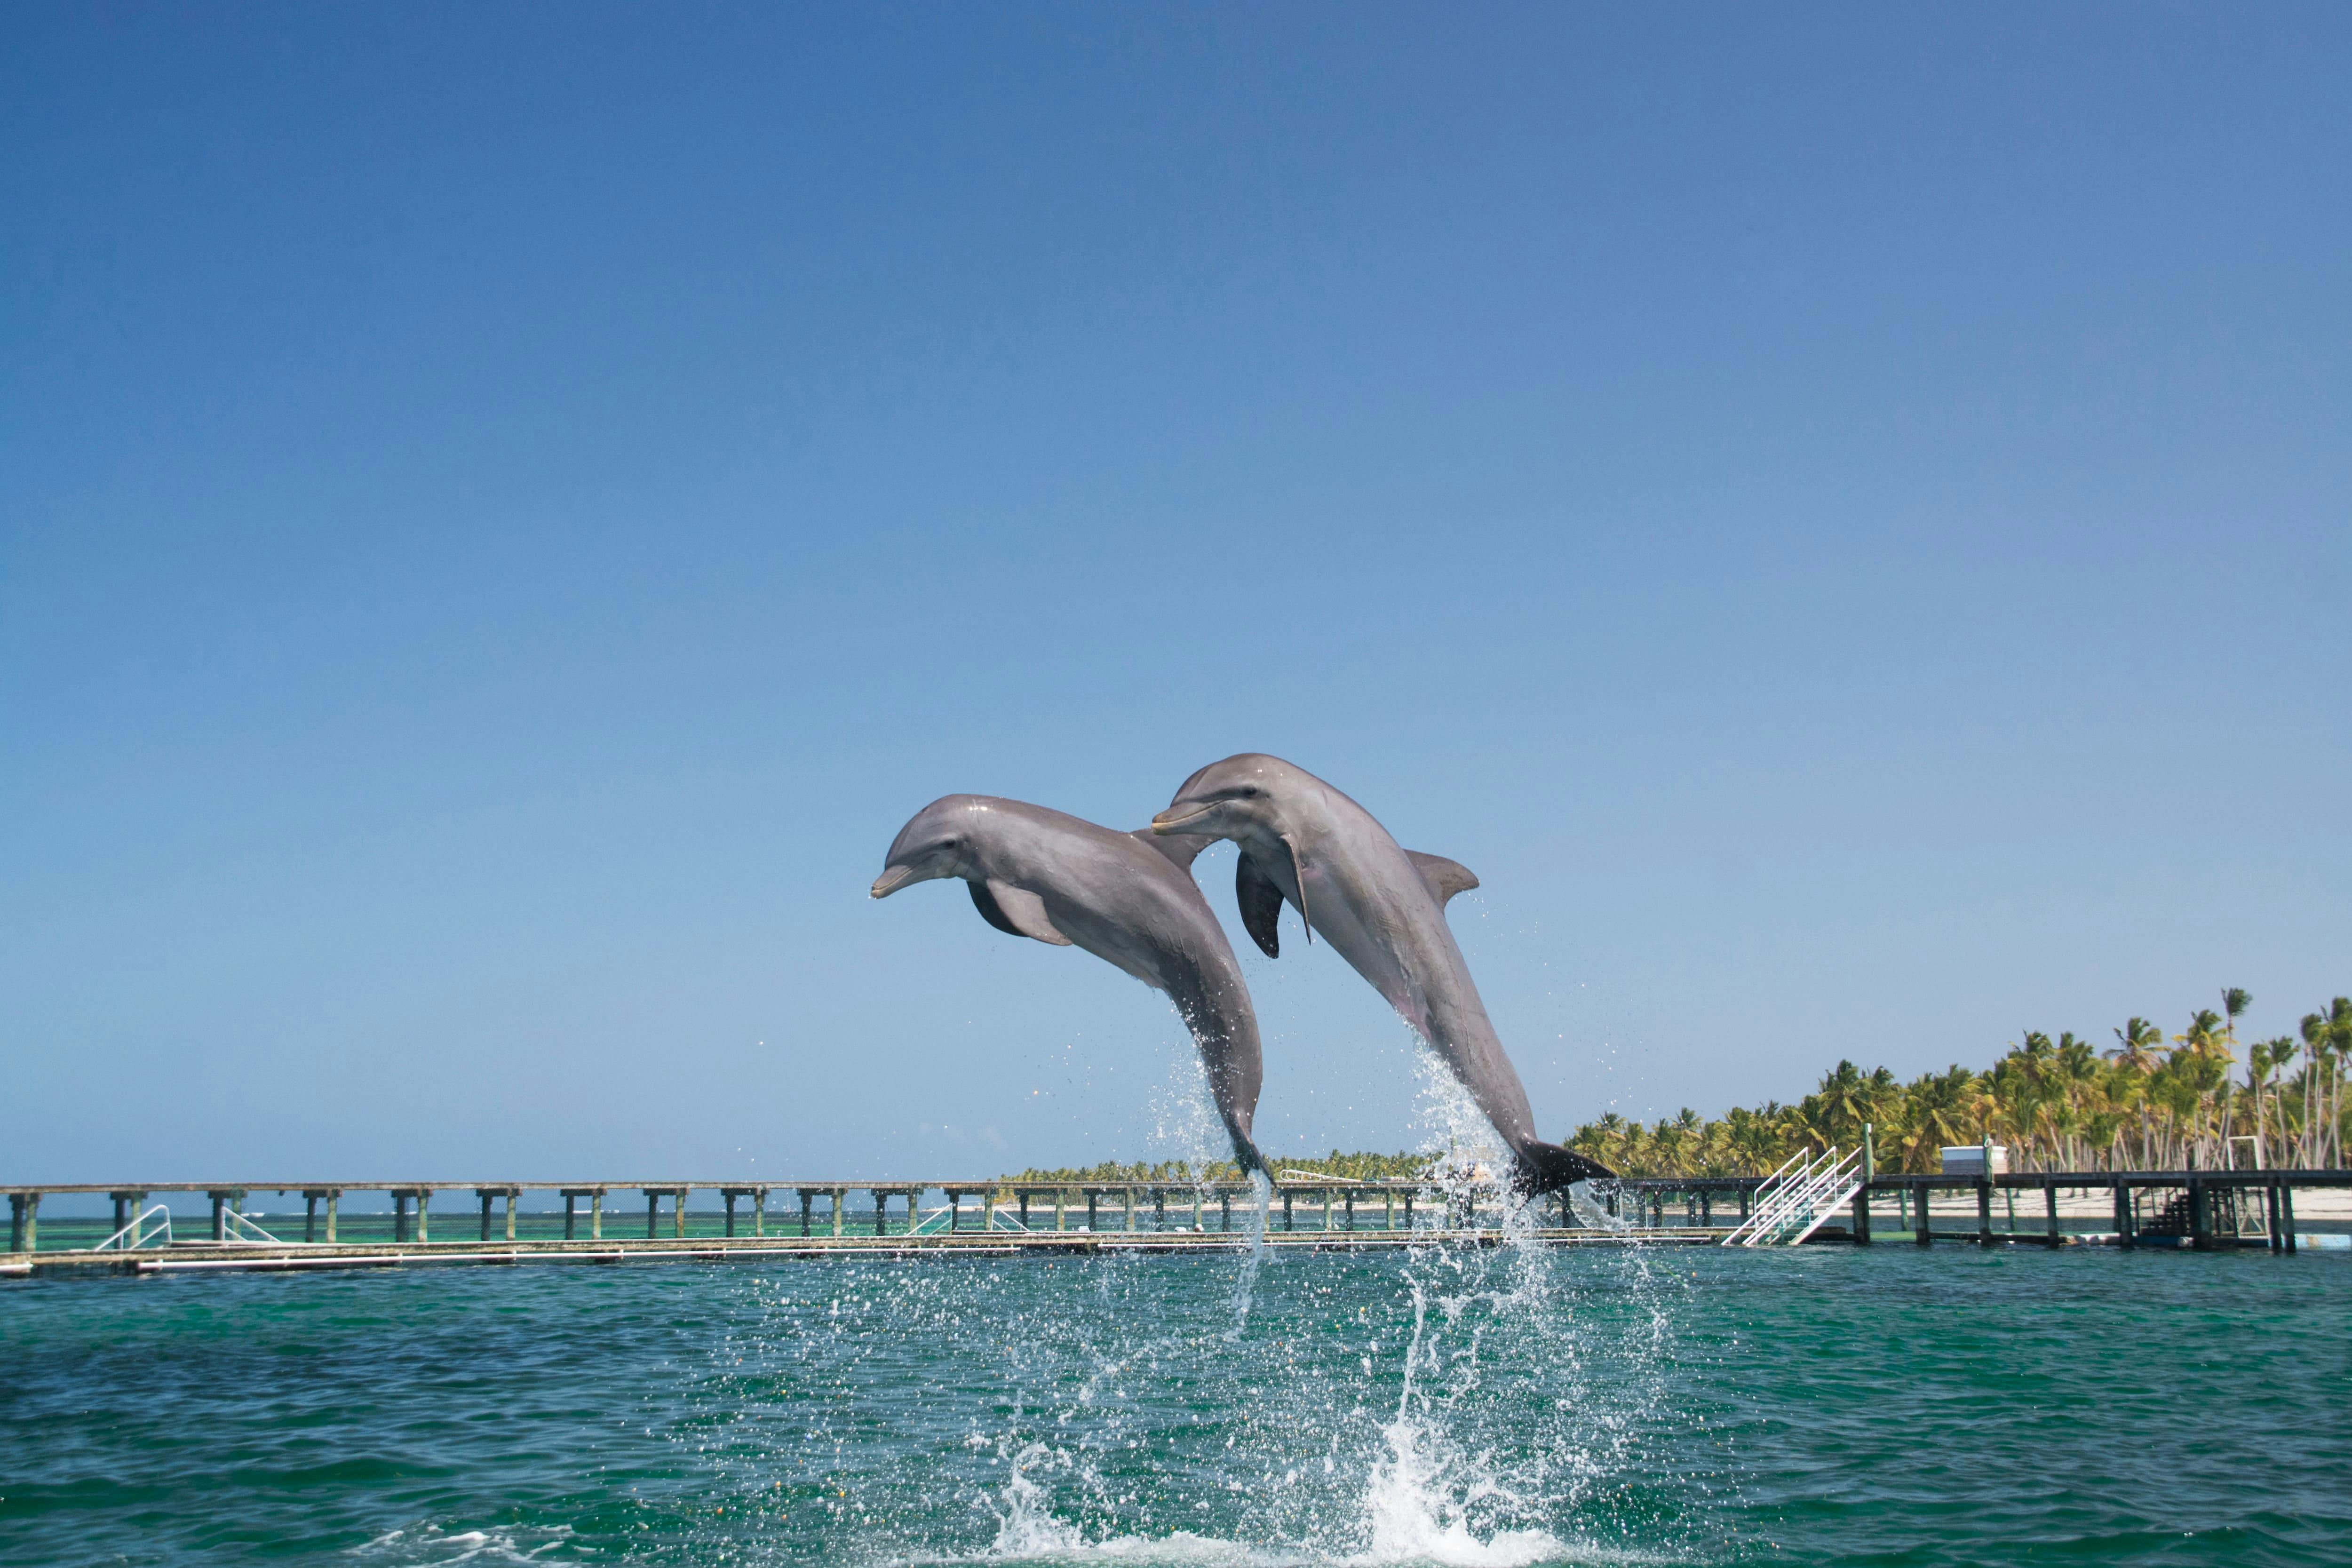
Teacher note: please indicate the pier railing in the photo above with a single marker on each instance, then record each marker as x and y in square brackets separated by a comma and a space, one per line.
[2195, 1209]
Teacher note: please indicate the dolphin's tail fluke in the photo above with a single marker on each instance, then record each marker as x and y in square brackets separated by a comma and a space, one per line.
[1245, 1153]
[1547, 1167]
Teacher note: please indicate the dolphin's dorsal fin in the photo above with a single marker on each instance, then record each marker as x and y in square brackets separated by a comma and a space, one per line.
[1015, 911]
[1261, 902]
[1446, 877]
[1182, 848]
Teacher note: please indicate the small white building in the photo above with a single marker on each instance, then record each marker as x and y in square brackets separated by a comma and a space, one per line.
[1969, 1159]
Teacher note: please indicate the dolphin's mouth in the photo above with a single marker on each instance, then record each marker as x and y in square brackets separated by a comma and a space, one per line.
[890, 881]
[1170, 819]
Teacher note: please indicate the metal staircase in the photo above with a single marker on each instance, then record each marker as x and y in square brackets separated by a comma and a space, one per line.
[1797, 1198]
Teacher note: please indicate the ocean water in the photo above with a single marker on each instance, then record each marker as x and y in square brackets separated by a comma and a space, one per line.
[1511, 1404]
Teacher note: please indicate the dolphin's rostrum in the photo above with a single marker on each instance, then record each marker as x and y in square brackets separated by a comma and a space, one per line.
[1384, 908]
[1128, 898]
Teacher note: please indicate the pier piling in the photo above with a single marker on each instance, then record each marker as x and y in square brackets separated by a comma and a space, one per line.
[2199, 1210]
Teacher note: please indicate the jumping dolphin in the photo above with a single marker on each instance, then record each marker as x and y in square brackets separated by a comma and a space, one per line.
[1128, 898]
[1384, 908]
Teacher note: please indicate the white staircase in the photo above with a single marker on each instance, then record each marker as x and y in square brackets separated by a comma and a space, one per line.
[1797, 1198]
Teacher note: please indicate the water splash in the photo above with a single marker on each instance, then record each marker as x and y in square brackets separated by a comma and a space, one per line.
[1028, 1527]
[1253, 1257]
[1185, 1123]
[1467, 1399]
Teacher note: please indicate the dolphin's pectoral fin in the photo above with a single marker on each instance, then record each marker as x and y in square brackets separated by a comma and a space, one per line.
[1446, 877]
[1261, 904]
[989, 911]
[1183, 848]
[1016, 911]
[1298, 880]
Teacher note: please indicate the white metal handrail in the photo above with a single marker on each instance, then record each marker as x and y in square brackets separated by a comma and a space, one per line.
[241, 1229]
[1835, 1193]
[1805, 1195]
[1813, 1200]
[1803, 1203]
[135, 1234]
[1766, 1196]
[1797, 1197]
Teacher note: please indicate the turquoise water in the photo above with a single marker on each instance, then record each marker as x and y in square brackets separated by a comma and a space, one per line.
[1502, 1406]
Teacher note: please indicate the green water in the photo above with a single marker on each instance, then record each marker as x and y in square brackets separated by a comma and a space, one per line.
[1672, 1405]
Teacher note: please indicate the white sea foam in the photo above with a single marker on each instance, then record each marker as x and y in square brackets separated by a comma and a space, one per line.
[430, 1546]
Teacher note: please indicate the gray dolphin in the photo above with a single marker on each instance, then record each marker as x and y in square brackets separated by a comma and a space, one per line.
[1384, 908]
[1128, 898]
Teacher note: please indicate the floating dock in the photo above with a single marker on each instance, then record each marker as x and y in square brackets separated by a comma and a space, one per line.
[2201, 1210]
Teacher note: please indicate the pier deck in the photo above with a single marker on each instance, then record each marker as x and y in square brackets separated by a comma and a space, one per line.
[2201, 1210]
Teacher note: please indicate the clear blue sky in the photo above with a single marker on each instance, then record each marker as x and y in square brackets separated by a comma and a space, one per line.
[1838, 515]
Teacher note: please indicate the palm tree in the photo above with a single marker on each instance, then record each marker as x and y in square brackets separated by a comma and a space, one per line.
[2078, 1067]
[2235, 999]
[2336, 1036]
[2315, 1031]
[2136, 1053]
[1753, 1141]
[2263, 1059]
[1844, 1104]
[2138, 1044]
[1945, 1107]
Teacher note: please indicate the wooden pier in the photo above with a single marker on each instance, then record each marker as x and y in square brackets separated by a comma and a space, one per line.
[483, 1222]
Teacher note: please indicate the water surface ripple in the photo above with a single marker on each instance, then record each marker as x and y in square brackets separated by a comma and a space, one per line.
[1470, 1406]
